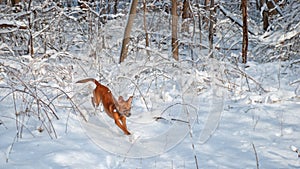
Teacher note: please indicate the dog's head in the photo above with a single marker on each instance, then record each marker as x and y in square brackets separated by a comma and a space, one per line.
[125, 106]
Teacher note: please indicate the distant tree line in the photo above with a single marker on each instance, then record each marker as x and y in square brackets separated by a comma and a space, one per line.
[200, 15]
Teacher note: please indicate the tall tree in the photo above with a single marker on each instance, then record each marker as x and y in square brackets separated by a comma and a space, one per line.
[128, 28]
[145, 26]
[174, 30]
[268, 8]
[265, 13]
[206, 7]
[245, 31]
[30, 42]
[186, 15]
[212, 21]
[116, 6]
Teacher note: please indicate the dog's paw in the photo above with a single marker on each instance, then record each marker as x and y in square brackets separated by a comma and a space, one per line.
[133, 138]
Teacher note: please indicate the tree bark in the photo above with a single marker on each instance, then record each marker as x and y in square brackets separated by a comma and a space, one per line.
[271, 8]
[211, 27]
[185, 16]
[174, 30]
[206, 2]
[116, 6]
[206, 17]
[14, 2]
[128, 28]
[245, 31]
[145, 26]
[265, 20]
[30, 42]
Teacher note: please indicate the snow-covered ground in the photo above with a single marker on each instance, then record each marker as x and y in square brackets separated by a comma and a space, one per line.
[219, 128]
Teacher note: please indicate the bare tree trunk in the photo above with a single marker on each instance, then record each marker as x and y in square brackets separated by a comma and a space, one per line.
[200, 29]
[174, 30]
[245, 31]
[128, 28]
[14, 2]
[265, 14]
[206, 2]
[265, 20]
[211, 27]
[145, 25]
[116, 6]
[205, 17]
[271, 9]
[30, 43]
[185, 15]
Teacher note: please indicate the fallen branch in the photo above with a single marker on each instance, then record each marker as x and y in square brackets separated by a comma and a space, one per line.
[11, 24]
[172, 119]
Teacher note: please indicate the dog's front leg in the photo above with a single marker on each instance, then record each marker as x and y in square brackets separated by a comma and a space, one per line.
[123, 120]
[117, 121]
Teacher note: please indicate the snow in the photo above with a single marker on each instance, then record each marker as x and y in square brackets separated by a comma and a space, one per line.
[278, 38]
[205, 112]
[223, 131]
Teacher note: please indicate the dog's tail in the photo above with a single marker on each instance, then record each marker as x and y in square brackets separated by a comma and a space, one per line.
[89, 79]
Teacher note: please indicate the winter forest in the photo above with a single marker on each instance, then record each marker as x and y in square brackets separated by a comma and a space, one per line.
[215, 83]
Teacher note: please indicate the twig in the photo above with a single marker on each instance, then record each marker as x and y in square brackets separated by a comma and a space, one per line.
[16, 114]
[173, 119]
[74, 106]
[41, 106]
[34, 95]
[251, 78]
[10, 148]
[191, 136]
[12, 118]
[256, 157]
[183, 104]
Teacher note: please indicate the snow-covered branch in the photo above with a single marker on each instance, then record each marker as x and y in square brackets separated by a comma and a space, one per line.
[234, 18]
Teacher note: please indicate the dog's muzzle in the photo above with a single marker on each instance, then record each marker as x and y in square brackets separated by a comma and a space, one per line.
[127, 114]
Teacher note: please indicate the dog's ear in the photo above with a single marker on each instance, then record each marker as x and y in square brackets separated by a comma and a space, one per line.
[130, 99]
[120, 99]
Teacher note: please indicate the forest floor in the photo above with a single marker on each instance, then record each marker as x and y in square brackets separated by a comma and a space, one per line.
[201, 123]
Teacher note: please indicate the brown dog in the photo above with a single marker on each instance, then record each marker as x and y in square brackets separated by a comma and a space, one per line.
[114, 109]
